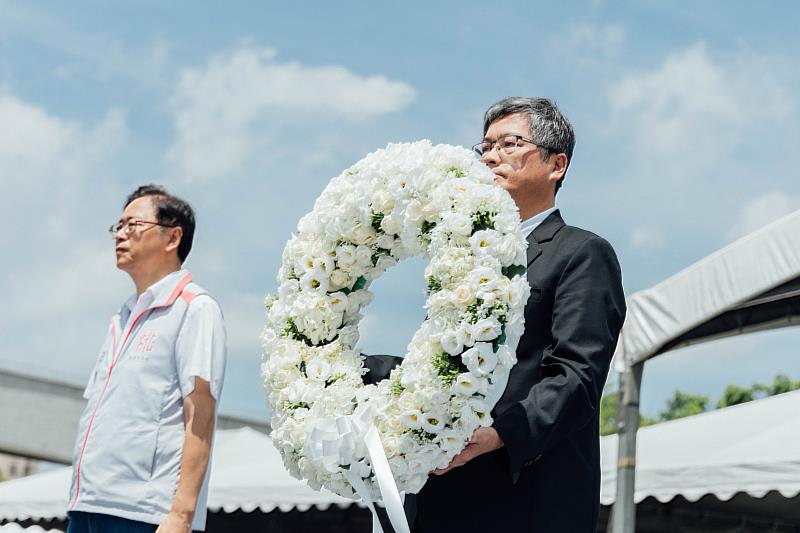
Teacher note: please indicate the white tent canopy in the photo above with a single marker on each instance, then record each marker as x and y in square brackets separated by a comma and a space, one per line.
[749, 448]
[750, 285]
[247, 473]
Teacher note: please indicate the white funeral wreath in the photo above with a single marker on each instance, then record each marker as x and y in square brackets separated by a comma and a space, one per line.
[401, 201]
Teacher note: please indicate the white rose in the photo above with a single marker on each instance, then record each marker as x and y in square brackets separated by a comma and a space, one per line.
[464, 294]
[339, 279]
[364, 255]
[345, 255]
[486, 329]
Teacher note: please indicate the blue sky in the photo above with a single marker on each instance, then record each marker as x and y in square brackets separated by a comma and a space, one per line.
[686, 118]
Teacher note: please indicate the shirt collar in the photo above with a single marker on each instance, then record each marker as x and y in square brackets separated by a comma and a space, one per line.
[157, 292]
[530, 224]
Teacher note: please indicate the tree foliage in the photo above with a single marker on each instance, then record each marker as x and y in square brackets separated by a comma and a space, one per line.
[682, 404]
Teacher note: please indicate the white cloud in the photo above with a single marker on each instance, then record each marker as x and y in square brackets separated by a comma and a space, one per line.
[51, 168]
[38, 146]
[97, 56]
[647, 238]
[762, 210]
[691, 111]
[590, 42]
[230, 108]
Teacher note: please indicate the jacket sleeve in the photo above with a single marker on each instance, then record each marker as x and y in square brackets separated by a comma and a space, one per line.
[588, 311]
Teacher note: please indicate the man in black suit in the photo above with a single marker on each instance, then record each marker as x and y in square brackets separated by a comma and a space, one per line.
[537, 468]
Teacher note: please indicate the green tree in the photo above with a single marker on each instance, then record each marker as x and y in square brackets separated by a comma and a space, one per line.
[608, 413]
[682, 404]
[609, 404]
[782, 384]
[735, 395]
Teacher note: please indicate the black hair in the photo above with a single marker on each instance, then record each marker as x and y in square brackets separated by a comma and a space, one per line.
[170, 211]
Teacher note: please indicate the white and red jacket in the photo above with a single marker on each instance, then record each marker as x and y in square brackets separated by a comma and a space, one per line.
[128, 450]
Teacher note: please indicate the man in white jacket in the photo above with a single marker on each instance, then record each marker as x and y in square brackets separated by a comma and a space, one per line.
[141, 458]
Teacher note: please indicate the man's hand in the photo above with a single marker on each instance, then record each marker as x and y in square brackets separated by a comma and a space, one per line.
[484, 440]
[175, 523]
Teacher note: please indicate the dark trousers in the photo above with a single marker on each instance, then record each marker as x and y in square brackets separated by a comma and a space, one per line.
[80, 522]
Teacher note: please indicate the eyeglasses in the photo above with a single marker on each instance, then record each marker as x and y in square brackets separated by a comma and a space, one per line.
[133, 225]
[506, 144]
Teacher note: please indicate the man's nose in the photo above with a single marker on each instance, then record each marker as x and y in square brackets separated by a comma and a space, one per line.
[491, 157]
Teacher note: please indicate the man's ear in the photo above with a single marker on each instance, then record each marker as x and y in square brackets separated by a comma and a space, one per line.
[559, 168]
[175, 237]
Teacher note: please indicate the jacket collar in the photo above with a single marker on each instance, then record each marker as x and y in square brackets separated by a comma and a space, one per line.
[542, 233]
[162, 293]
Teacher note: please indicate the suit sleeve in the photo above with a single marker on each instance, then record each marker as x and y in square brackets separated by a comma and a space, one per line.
[588, 311]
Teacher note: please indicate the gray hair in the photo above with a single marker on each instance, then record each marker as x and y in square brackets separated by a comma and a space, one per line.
[548, 125]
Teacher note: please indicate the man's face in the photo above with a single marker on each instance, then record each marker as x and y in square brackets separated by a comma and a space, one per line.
[522, 172]
[145, 246]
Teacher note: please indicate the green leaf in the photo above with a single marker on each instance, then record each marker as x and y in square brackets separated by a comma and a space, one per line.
[456, 171]
[514, 270]
[376, 220]
[427, 226]
[448, 371]
[483, 220]
[360, 283]
[434, 285]
[499, 340]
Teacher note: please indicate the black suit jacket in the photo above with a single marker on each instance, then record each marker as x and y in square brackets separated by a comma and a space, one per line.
[547, 477]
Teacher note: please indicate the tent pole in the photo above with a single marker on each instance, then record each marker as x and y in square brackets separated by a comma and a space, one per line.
[624, 512]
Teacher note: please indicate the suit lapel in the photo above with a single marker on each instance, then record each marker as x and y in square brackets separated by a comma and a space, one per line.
[542, 233]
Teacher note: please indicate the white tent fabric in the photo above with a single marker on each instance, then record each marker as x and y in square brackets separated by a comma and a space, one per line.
[13, 527]
[751, 448]
[749, 267]
[247, 473]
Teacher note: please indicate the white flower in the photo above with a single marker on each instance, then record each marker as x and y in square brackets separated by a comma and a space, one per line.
[345, 255]
[464, 294]
[433, 422]
[458, 224]
[338, 302]
[466, 384]
[465, 335]
[315, 281]
[484, 241]
[411, 418]
[339, 279]
[311, 366]
[486, 329]
[483, 278]
[363, 255]
[318, 369]
[450, 342]
[480, 359]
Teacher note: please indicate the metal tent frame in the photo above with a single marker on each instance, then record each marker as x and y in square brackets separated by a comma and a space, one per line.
[750, 285]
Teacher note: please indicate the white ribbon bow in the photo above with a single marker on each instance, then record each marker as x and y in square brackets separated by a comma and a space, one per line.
[354, 440]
